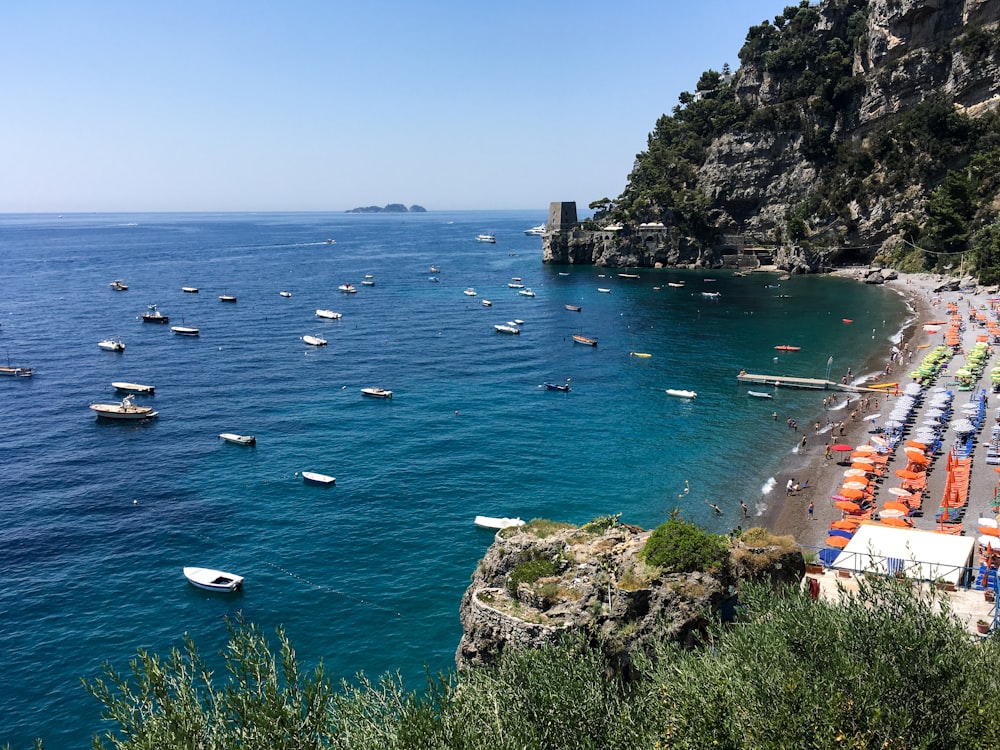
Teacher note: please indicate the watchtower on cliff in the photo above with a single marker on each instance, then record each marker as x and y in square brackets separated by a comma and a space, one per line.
[562, 216]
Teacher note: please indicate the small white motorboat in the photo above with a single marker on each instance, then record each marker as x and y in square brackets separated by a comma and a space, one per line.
[285, 294]
[329, 314]
[314, 340]
[491, 238]
[603, 290]
[487, 303]
[118, 285]
[213, 580]
[759, 394]
[535, 231]
[189, 289]
[124, 410]
[526, 293]
[124, 387]
[185, 331]
[314, 478]
[490, 522]
[112, 345]
[232, 437]
[227, 298]
[680, 393]
[507, 328]
[376, 393]
[347, 288]
[470, 292]
[515, 285]
[369, 280]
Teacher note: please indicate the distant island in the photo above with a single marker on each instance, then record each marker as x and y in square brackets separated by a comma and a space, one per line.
[392, 208]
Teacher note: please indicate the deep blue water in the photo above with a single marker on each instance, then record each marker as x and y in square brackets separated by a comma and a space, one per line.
[97, 519]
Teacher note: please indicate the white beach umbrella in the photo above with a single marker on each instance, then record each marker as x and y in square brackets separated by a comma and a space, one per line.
[963, 426]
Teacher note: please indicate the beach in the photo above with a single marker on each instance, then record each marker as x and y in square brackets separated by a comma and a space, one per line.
[822, 474]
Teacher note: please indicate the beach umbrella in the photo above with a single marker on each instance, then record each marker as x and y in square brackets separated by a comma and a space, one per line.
[887, 513]
[852, 494]
[915, 444]
[880, 441]
[864, 449]
[907, 474]
[896, 505]
[851, 524]
[847, 506]
[872, 417]
[918, 459]
[900, 522]
[934, 413]
[841, 447]
[855, 472]
[855, 485]
[900, 492]
[837, 541]
[893, 423]
[963, 426]
[912, 389]
[989, 541]
[864, 461]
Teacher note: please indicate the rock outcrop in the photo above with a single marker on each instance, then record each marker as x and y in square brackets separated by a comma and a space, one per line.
[595, 582]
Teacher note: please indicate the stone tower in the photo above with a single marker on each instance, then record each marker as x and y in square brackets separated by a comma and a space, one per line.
[562, 216]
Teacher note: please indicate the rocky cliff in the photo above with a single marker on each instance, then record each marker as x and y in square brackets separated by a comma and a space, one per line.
[594, 580]
[841, 121]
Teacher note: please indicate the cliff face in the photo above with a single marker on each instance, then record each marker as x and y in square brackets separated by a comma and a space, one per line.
[779, 163]
[597, 585]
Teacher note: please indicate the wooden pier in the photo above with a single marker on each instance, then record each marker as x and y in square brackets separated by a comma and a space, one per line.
[818, 384]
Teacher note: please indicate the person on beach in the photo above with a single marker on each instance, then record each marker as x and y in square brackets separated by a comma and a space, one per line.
[828, 453]
[803, 442]
[788, 487]
[810, 511]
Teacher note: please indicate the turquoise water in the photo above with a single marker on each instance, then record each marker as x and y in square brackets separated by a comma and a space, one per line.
[98, 518]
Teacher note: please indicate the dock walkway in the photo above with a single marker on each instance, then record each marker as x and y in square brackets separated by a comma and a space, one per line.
[818, 384]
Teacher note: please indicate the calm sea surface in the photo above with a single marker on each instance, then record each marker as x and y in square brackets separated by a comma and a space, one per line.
[99, 517]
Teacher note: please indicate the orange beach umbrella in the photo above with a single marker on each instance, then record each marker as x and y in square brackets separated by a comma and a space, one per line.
[847, 506]
[907, 474]
[837, 541]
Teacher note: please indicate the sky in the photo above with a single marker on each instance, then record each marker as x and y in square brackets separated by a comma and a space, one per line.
[325, 105]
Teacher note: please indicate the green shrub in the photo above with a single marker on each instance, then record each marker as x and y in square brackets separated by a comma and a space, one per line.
[529, 571]
[680, 547]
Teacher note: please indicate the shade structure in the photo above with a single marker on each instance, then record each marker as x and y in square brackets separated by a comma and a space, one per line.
[893, 423]
[899, 492]
[851, 494]
[854, 473]
[854, 485]
[887, 513]
[837, 541]
[879, 441]
[896, 505]
[931, 555]
[847, 506]
[963, 426]
[850, 524]
[918, 459]
[864, 449]
[863, 464]
[916, 444]
[907, 474]
[841, 447]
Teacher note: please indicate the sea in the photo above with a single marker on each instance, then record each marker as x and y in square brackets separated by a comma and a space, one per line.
[98, 517]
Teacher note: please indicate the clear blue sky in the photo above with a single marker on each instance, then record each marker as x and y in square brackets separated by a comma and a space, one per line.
[326, 105]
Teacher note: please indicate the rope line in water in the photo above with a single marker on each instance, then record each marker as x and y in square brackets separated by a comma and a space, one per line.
[331, 590]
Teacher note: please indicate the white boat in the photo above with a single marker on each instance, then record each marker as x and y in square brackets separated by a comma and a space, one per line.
[285, 294]
[376, 392]
[486, 303]
[628, 276]
[227, 298]
[185, 331]
[17, 372]
[329, 314]
[491, 238]
[124, 387]
[490, 522]
[314, 340]
[535, 231]
[152, 315]
[112, 345]
[526, 293]
[508, 328]
[470, 292]
[347, 288]
[124, 410]
[515, 285]
[603, 290]
[759, 394]
[676, 284]
[118, 285]
[435, 269]
[369, 280]
[313, 478]
[680, 393]
[232, 437]
[213, 580]
[711, 295]
[189, 289]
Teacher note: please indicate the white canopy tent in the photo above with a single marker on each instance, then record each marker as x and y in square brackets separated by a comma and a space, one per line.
[923, 555]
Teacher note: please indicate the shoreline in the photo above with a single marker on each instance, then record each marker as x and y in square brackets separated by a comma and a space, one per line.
[788, 514]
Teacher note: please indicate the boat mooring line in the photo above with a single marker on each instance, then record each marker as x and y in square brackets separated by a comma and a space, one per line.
[330, 590]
